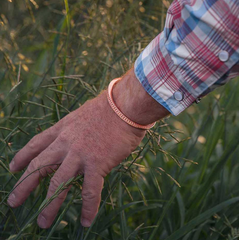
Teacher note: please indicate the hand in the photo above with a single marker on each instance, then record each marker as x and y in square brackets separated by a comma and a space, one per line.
[89, 141]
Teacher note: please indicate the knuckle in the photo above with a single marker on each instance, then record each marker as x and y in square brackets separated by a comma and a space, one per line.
[36, 167]
[33, 143]
[54, 183]
[51, 132]
[63, 137]
[89, 195]
[33, 166]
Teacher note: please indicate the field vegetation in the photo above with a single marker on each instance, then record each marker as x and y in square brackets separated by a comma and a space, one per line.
[182, 182]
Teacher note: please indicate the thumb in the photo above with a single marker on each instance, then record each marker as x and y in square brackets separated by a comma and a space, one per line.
[91, 196]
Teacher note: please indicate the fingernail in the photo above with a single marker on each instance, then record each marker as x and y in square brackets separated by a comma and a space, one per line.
[41, 221]
[85, 222]
[11, 200]
[11, 165]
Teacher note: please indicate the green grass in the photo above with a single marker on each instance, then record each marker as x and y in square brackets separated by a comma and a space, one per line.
[180, 183]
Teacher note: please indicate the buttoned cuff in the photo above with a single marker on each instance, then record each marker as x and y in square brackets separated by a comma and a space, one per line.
[162, 79]
[176, 82]
[197, 52]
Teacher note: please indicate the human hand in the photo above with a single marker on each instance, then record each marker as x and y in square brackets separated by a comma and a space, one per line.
[89, 141]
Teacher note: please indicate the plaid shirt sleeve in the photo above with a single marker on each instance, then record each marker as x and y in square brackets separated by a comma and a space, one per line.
[197, 51]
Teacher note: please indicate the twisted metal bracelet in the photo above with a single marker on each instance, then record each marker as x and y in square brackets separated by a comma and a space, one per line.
[119, 113]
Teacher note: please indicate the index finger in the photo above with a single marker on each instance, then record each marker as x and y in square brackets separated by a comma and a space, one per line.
[33, 148]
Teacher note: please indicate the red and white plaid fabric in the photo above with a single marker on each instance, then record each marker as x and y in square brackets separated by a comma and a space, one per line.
[197, 51]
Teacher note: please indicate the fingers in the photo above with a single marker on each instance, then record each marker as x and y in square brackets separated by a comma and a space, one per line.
[91, 196]
[68, 169]
[39, 167]
[35, 146]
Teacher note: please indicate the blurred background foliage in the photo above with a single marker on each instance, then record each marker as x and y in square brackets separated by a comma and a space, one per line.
[180, 183]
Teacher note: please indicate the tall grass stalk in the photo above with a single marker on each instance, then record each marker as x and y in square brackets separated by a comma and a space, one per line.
[180, 183]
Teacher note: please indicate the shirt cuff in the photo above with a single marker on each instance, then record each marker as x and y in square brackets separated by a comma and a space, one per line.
[161, 78]
[183, 63]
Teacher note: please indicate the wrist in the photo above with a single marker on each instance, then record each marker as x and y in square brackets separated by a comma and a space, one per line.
[134, 102]
[101, 102]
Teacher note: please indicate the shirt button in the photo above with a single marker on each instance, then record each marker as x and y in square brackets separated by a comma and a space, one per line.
[198, 100]
[178, 96]
[223, 56]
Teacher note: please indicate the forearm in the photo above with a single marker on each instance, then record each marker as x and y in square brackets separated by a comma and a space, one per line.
[131, 98]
